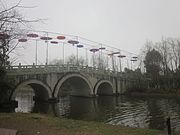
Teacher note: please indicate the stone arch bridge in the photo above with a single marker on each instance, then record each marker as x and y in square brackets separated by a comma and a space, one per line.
[48, 81]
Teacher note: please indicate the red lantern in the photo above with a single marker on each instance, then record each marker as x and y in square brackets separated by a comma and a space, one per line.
[61, 37]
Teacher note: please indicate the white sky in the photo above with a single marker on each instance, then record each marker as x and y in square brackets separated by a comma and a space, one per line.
[125, 24]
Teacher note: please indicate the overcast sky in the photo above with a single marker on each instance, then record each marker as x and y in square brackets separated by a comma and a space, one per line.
[126, 24]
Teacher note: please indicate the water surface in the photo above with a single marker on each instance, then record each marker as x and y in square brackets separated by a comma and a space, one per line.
[144, 112]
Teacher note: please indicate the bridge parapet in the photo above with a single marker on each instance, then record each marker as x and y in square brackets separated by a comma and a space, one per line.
[35, 69]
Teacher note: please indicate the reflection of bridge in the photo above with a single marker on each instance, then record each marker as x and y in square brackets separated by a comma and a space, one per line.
[48, 81]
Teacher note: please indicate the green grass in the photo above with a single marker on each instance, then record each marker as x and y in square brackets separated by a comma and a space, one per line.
[33, 124]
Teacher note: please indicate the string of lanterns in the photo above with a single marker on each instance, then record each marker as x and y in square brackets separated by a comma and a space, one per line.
[75, 43]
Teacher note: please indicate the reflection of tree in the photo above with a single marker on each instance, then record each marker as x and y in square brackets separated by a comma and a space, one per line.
[82, 108]
[134, 112]
[171, 108]
[156, 117]
[106, 106]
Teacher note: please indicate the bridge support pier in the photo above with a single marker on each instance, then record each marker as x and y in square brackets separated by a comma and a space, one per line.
[53, 100]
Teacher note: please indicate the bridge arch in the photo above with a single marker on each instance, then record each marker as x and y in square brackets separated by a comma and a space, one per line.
[103, 87]
[81, 85]
[41, 90]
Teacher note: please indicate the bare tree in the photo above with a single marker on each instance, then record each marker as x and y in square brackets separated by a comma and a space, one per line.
[175, 52]
[56, 62]
[81, 61]
[164, 48]
[10, 23]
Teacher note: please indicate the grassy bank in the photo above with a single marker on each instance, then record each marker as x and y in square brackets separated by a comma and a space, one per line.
[33, 124]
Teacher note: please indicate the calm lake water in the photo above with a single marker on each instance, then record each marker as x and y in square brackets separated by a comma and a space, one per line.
[145, 112]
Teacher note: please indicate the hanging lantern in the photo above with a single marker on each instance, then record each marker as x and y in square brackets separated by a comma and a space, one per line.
[54, 42]
[22, 40]
[61, 37]
[102, 48]
[73, 42]
[133, 60]
[32, 35]
[111, 54]
[46, 38]
[121, 56]
[4, 36]
[135, 57]
[116, 53]
[80, 46]
[94, 50]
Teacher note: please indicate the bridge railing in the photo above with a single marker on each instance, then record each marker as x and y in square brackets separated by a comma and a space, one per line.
[21, 69]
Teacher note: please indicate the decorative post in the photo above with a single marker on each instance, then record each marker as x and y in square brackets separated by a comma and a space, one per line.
[74, 42]
[63, 54]
[62, 38]
[120, 57]
[100, 56]
[94, 50]
[113, 62]
[36, 54]
[46, 40]
[78, 46]
[133, 60]
[87, 57]
[47, 50]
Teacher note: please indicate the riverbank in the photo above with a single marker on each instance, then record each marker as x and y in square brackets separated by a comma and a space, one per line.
[33, 124]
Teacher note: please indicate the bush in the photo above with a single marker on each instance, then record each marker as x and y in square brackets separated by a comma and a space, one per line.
[6, 86]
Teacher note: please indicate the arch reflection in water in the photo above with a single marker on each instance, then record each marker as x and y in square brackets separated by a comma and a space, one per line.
[76, 108]
[62, 108]
[24, 96]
